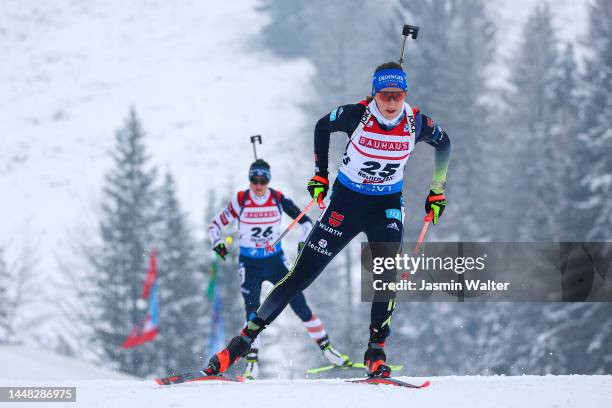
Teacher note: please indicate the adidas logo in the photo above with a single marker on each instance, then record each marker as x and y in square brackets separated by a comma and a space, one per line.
[393, 226]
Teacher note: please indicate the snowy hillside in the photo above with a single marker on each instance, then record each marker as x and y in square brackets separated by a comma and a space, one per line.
[23, 363]
[71, 71]
[474, 392]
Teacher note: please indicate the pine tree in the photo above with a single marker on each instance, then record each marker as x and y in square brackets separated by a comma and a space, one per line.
[289, 31]
[127, 232]
[566, 153]
[447, 72]
[598, 121]
[575, 338]
[182, 319]
[20, 292]
[532, 121]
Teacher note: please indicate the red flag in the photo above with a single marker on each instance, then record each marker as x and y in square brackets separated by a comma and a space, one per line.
[147, 329]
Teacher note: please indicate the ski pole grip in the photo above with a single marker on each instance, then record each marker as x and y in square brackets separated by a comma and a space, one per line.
[320, 202]
[429, 217]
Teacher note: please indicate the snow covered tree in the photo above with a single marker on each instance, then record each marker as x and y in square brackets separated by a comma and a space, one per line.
[531, 122]
[22, 309]
[598, 121]
[289, 29]
[447, 78]
[563, 163]
[182, 320]
[545, 121]
[119, 266]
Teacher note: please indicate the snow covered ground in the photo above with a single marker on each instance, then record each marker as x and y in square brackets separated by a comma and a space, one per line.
[473, 392]
[100, 387]
[25, 363]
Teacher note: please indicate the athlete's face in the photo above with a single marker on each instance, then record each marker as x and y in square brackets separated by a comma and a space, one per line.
[390, 101]
[258, 189]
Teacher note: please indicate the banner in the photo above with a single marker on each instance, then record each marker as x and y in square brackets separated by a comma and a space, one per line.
[148, 328]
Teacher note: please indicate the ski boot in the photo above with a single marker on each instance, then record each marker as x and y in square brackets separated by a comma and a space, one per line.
[331, 354]
[374, 358]
[238, 347]
[252, 365]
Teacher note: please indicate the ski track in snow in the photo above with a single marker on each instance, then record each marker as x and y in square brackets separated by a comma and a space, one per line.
[473, 392]
[98, 386]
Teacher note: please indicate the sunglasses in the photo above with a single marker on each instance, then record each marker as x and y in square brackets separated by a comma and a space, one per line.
[259, 180]
[391, 96]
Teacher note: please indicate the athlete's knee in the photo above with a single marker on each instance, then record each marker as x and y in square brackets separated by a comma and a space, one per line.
[251, 299]
[300, 307]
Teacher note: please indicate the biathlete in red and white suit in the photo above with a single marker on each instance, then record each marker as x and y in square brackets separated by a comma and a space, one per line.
[258, 211]
[367, 197]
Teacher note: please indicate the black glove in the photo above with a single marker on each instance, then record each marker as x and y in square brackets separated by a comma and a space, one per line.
[435, 203]
[317, 188]
[220, 249]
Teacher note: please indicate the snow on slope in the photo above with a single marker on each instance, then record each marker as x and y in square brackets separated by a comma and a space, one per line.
[99, 387]
[70, 72]
[472, 392]
[23, 363]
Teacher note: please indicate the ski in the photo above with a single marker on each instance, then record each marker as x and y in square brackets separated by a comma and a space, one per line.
[388, 381]
[196, 376]
[317, 370]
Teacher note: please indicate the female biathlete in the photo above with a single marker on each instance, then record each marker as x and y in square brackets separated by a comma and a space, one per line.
[367, 196]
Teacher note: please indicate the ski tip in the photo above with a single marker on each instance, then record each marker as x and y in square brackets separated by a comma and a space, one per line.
[165, 381]
[425, 384]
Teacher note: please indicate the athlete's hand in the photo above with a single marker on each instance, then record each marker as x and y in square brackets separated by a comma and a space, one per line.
[317, 187]
[435, 203]
[300, 246]
[220, 249]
